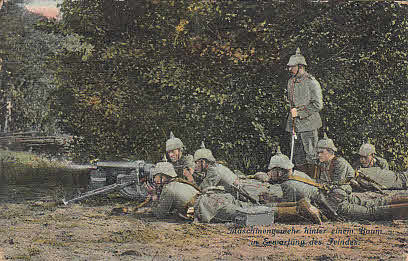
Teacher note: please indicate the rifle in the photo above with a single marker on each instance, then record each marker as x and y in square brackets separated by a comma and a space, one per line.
[245, 194]
[374, 184]
[324, 189]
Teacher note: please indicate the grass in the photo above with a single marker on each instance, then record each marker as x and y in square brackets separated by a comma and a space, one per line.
[25, 164]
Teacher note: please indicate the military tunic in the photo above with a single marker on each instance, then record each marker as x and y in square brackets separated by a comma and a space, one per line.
[186, 161]
[294, 190]
[256, 188]
[337, 172]
[175, 197]
[355, 207]
[305, 94]
[386, 178]
[378, 162]
[219, 175]
[290, 190]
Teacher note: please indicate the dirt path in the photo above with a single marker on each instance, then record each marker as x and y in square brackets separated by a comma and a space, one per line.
[89, 231]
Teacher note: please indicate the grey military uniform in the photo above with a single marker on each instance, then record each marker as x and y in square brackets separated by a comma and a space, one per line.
[217, 206]
[386, 178]
[186, 161]
[356, 207]
[337, 172]
[305, 94]
[378, 162]
[293, 190]
[219, 175]
[175, 197]
[290, 190]
[255, 188]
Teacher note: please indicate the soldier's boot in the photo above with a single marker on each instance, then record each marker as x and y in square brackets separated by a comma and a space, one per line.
[307, 210]
[394, 211]
[302, 208]
[398, 199]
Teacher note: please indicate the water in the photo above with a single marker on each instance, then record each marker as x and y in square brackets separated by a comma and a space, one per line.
[18, 187]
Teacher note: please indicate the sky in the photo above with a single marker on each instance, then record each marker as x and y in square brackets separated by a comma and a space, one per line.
[47, 8]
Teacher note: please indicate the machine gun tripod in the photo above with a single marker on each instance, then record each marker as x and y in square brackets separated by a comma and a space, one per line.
[127, 177]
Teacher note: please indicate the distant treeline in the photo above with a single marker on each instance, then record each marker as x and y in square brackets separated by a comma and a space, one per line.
[129, 72]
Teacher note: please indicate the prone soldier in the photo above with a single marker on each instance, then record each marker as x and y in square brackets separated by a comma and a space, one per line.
[377, 180]
[291, 185]
[369, 159]
[336, 198]
[215, 174]
[175, 196]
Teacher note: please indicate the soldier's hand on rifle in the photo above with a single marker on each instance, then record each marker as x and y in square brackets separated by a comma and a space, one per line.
[354, 183]
[188, 174]
[293, 112]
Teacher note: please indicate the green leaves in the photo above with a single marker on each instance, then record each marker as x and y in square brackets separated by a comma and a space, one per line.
[132, 72]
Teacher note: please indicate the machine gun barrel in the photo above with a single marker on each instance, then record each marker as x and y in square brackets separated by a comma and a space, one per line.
[98, 191]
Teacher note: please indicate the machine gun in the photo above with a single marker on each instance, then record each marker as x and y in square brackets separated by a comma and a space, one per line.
[127, 177]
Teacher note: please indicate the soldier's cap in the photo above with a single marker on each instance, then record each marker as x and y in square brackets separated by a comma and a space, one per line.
[297, 58]
[203, 153]
[280, 161]
[325, 143]
[174, 143]
[366, 149]
[165, 168]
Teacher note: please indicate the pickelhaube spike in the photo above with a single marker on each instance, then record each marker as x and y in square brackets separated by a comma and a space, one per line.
[297, 59]
[164, 159]
[298, 51]
[174, 143]
[203, 153]
[279, 160]
[325, 136]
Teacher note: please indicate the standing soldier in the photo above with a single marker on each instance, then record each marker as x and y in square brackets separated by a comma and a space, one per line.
[305, 101]
[183, 164]
[368, 159]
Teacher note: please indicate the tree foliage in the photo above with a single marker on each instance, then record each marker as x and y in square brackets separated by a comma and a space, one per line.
[132, 71]
[25, 80]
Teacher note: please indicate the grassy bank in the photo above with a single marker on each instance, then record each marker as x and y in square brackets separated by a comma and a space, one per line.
[14, 163]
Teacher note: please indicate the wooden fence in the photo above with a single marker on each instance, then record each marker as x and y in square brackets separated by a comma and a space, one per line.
[31, 141]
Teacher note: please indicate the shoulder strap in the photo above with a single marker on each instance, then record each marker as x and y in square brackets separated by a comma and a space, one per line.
[188, 183]
[331, 168]
[306, 181]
